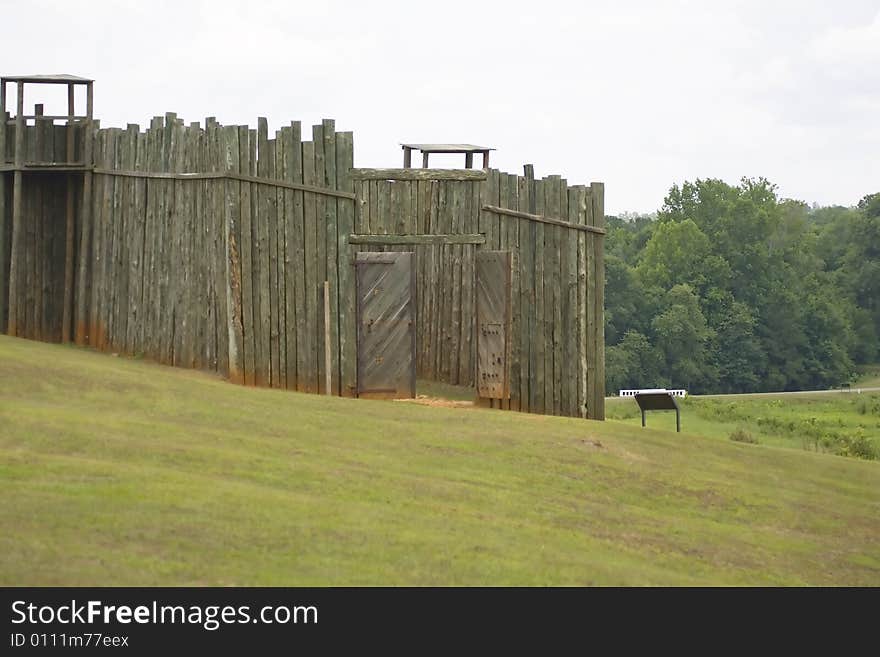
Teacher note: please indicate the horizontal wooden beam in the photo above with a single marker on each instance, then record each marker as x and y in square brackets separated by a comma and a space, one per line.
[544, 220]
[31, 167]
[48, 117]
[418, 174]
[221, 175]
[417, 239]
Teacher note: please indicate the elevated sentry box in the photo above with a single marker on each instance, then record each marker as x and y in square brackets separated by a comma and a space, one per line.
[29, 145]
[426, 149]
[19, 146]
[658, 401]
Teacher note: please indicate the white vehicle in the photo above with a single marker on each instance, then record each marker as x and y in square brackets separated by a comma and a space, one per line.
[633, 393]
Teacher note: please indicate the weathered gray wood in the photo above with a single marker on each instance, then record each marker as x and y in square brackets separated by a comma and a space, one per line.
[332, 240]
[288, 240]
[527, 290]
[542, 404]
[493, 272]
[434, 302]
[232, 258]
[163, 243]
[281, 265]
[321, 252]
[513, 346]
[262, 376]
[311, 272]
[70, 228]
[469, 222]
[14, 300]
[598, 200]
[218, 175]
[4, 278]
[570, 310]
[328, 343]
[418, 174]
[559, 365]
[590, 303]
[386, 335]
[246, 260]
[347, 299]
[581, 304]
[455, 288]
[298, 273]
[275, 298]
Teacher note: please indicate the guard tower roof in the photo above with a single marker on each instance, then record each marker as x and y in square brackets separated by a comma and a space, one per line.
[427, 149]
[59, 78]
[448, 148]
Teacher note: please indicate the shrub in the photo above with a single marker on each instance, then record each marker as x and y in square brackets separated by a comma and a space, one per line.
[857, 445]
[743, 436]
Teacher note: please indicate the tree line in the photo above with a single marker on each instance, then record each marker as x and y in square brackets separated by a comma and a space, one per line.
[730, 288]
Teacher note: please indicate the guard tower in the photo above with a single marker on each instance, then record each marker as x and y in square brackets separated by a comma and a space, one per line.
[33, 146]
[427, 149]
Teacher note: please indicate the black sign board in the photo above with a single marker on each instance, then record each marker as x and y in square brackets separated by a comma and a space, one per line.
[658, 401]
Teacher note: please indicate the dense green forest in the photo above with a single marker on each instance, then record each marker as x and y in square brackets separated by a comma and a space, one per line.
[734, 289]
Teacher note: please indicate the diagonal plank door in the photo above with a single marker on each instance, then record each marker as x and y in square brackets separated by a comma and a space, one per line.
[493, 271]
[386, 331]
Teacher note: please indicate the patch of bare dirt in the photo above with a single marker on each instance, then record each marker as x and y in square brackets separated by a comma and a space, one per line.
[438, 402]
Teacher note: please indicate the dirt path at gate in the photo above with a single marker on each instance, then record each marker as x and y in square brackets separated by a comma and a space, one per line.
[438, 402]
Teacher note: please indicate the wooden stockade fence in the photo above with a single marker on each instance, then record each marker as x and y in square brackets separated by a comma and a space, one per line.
[554, 232]
[209, 246]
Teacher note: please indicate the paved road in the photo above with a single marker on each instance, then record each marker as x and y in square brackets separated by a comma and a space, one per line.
[851, 391]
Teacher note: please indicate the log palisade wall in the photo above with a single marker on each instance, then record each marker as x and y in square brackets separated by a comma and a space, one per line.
[207, 246]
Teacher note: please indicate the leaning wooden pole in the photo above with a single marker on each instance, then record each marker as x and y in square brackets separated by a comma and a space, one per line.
[69, 233]
[12, 327]
[85, 220]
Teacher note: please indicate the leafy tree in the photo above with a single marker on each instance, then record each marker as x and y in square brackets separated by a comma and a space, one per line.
[733, 289]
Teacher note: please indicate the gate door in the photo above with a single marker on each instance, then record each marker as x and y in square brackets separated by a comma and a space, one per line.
[493, 322]
[386, 336]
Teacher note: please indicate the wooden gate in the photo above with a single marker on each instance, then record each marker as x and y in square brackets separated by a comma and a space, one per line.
[386, 336]
[493, 271]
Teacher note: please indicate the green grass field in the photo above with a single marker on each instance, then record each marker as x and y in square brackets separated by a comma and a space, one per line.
[122, 472]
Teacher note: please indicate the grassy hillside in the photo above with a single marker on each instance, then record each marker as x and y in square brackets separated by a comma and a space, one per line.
[120, 472]
[847, 424]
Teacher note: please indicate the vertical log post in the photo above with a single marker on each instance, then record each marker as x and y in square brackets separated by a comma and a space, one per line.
[14, 310]
[328, 366]
[68, 244]
[4, 280]
[86, 220]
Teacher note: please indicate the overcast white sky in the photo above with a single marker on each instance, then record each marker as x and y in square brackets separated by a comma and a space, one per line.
[638, 95]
